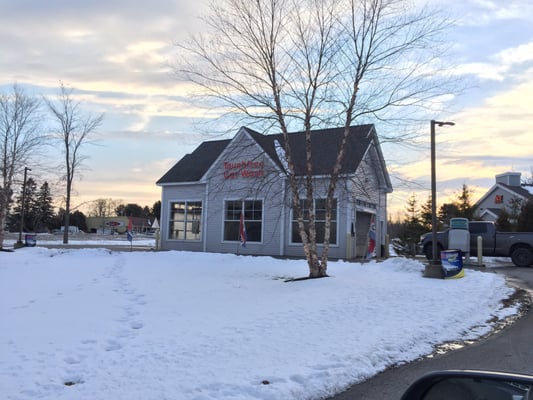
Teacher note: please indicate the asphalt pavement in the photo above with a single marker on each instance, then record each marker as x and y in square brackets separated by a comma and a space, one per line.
[509, 350]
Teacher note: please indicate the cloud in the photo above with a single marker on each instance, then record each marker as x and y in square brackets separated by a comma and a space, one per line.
[505, 64]
[485, 12]
[117, 43]
[488, 139]
[115, 54]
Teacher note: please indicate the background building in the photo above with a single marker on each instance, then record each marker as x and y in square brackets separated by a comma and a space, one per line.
[109, 225]
[507, 194]
[204, 194]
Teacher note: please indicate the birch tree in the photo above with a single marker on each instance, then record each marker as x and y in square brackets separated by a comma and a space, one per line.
[20, 141]
[73, 129]
[295, 65]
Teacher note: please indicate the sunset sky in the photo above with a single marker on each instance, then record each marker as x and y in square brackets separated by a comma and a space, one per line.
[115, 55]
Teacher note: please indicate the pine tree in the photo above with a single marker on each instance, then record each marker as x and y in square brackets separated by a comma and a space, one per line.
[464, 203]
[44, 213]
[525, 219]
[156, 209]
[448, 211]
[412, 210]
[515, 207]
[503, 223]
[426, 214]
[29, 208]
[413, 226]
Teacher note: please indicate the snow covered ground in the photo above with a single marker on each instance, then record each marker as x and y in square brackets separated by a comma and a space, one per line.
[95, 324]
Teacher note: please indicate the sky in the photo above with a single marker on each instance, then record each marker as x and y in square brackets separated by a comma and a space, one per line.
[95, 324]
[116, 56]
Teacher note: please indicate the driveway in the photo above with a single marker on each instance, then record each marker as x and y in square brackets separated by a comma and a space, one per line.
[509, 350]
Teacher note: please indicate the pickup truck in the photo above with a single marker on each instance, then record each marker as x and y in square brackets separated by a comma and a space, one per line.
[517, 245]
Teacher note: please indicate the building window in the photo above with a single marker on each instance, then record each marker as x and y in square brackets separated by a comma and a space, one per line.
[185, 220]
[320, 222]
[253, 220]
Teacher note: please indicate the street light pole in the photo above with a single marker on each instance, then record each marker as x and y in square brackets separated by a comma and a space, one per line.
[434, 267]
[23, 206]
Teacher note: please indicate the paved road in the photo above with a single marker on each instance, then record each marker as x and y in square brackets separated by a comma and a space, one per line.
[510, 350]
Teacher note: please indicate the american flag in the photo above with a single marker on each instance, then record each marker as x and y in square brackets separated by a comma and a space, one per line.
[129, 233]
[242, 231]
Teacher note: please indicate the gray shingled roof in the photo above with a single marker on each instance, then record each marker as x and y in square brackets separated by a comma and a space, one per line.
[325, 144]
[193, 166]
[519, 190]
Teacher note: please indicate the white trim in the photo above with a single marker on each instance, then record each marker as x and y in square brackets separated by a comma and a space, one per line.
[224, 201]
[180, 183]
[282, 222]
[201, 201]
[206, 202]
[337, 244]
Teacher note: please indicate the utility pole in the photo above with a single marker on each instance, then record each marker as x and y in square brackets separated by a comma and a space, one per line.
[23, 207]
[434, 269]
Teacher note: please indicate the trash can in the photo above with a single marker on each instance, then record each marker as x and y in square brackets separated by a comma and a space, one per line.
[30, 240]
[452, 263]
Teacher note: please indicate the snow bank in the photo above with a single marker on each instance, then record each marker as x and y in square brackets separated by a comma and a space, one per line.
[94, 324]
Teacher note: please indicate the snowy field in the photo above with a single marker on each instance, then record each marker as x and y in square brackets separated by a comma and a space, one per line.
[91, 324]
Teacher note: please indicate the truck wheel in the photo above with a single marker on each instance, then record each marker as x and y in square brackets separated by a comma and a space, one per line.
[522, 257]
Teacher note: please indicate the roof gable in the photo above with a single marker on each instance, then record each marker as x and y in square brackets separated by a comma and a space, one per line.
[325, 144]
[517, 191]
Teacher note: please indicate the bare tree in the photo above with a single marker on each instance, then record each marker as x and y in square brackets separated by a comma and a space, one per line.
[20, 140]
[292, 65]
[103, 208]
[73, 130]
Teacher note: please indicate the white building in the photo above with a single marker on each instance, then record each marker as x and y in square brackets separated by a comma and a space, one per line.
[205, 192]
[507, 193]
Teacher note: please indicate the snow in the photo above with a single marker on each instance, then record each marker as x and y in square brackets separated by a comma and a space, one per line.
[100, 324]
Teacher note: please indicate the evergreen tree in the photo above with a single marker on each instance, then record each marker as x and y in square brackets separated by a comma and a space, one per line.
[156, 210]
[30, 195]
[77, 218]
[134, 210]
[412, 210]
[130, 210]
[44, 210]
[448, 211]
[426, 214]
[515, 207]
[146, 212]
[525, 219]
[464, 203]
[503, 223]
[413, 226]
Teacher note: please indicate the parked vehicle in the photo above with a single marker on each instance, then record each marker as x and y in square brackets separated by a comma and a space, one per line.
[517, 245]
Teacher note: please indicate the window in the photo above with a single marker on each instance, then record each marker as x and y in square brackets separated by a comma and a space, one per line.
[253, 219]
[320, 221]
[477, 228]
[185, 220]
